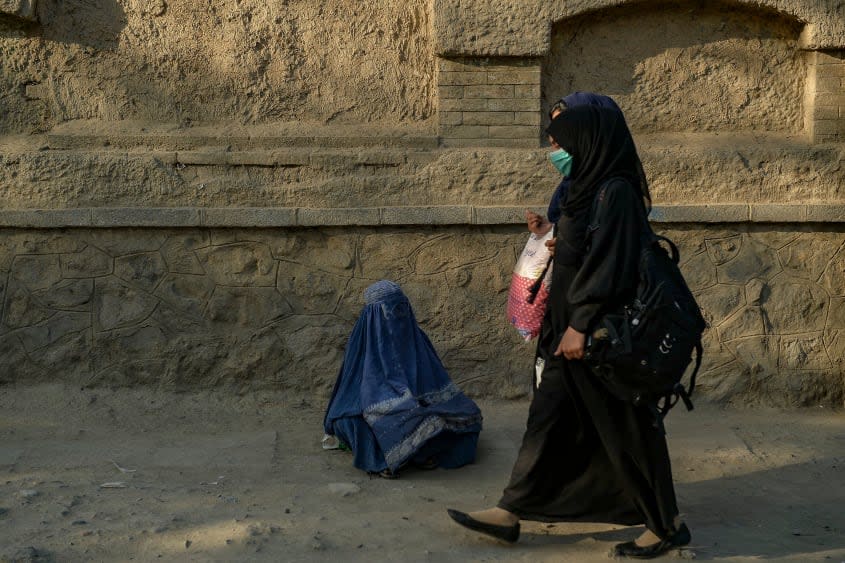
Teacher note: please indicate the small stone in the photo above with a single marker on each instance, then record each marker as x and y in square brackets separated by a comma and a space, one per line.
[188, 543]
[29, 493]
[344, 489]
[78, 523]
[686, 554]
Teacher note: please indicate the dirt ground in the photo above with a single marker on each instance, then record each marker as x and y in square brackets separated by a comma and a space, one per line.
[100, 475]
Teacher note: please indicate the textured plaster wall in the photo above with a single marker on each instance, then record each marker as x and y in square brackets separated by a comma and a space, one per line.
[332, 113]
[244, 308]
[522, 27]
[705, 67]
[773, 298]
[193, 61]
[682, 168]
[249, 308]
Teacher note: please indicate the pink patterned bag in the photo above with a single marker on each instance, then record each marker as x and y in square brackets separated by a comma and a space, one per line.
[524, 315]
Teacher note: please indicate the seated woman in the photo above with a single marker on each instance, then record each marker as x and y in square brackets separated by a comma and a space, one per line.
[393, 402]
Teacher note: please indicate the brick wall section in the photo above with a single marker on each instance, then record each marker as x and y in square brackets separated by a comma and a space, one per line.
[488, 102]
[827, 92]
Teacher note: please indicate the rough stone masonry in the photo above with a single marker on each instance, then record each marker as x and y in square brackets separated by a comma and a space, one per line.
[195, 195]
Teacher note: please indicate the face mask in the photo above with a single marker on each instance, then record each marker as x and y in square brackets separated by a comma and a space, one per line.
[561, 160]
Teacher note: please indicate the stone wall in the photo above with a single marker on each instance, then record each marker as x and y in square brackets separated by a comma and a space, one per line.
[245, 308]
[489, 102]
[240, 61]
[709, 67]
[196, 195]
[772, 65]
[773, 299]
[81, 169]
[826, 90]
[272, 308]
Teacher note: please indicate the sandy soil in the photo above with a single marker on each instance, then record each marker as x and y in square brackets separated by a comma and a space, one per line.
[99, 475]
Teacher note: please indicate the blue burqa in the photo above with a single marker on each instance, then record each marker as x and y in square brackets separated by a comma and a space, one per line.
[393, 402]
[572, 100]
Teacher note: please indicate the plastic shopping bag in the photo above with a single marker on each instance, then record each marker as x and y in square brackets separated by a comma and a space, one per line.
[525, 316]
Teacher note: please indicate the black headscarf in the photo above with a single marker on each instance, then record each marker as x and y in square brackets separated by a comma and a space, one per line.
[602, 148]
[573, 100]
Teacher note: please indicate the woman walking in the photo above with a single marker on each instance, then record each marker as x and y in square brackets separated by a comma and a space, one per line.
[587, 456]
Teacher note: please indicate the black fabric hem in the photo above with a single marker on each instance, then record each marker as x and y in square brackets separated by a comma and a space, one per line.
[592, 519]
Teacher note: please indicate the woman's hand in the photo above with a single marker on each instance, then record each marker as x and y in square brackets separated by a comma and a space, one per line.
[537, 224]
[550, 244]
[571, 345]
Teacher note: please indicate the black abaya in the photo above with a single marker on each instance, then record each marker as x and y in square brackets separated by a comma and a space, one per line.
[585, 455]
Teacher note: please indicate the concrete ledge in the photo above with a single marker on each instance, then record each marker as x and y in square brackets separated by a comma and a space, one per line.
[826, 213]
[457, 143]
[504, 215]
[146, 217]
[778, 213]
[702, 213]
[439, 215]
[45, 218]
[361, 217]
[210, 144]
[254, 216]
[248, 217]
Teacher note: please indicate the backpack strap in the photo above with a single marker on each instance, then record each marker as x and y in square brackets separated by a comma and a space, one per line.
[661, 407]
[648, 236]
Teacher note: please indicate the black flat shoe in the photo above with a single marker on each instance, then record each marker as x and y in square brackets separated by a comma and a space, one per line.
[680, 538]
[505, 533]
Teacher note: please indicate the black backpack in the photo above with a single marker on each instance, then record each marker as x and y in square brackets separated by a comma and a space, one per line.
[642, 349]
